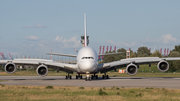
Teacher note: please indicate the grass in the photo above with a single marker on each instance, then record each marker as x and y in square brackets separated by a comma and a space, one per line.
[59, 93]
[49, 87]
[143, 71]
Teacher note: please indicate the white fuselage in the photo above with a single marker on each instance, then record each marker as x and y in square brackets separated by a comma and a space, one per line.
[87, 60]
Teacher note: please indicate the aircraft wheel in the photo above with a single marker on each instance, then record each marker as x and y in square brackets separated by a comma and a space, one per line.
[92, 76]
[66, 77]
[103, 77]
[81, 77]
[70, 77]
[76, 77]
[107, 76]
[96, 76]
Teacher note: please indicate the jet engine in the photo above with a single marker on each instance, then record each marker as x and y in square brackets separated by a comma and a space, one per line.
[163, 66]
[131, 69]
[10, 68]
[42, 70]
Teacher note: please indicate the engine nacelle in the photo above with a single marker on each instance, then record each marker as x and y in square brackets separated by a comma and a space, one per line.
[10, 68]
[131, 69]
[163, 66]
[42, 70]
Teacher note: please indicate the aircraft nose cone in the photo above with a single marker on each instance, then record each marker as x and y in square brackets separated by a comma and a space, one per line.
[87, 66]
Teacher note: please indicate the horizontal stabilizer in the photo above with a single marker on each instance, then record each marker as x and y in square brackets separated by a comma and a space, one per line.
[62, 54]
[110, 54]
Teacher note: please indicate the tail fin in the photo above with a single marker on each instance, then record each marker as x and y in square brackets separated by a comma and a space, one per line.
[85, 35]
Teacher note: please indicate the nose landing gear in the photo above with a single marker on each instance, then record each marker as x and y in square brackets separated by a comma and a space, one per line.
[88, 78]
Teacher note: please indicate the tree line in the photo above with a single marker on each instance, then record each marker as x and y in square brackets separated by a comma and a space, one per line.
[145, 52]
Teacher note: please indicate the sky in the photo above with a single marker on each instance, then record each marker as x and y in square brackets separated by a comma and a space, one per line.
[35, 27]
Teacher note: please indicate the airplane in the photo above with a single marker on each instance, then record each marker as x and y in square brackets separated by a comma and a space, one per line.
[87, 63]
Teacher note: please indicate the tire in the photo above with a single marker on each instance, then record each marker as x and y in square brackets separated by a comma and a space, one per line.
[70, 77]
[66, 77]
[103, 76]
[76, 77]
[81, 76]
[96, 76]
[92, 76]
[107, 76]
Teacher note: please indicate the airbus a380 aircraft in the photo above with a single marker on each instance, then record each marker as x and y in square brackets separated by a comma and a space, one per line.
[87, 63]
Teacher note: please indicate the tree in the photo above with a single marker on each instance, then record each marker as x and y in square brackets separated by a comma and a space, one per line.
[156, 54]
[174, 65]
[109, 58]
[177, 48]
[120, 56]
[143, 52]
[133, 54]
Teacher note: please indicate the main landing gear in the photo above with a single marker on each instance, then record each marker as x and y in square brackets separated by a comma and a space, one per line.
[78, 76]
[105, 76]
[94, 76]
[68, 76]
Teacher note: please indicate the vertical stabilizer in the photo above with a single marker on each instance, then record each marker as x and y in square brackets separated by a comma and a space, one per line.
[85, 35]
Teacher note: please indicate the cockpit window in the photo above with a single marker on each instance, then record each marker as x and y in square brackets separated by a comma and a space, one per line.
[87, 58]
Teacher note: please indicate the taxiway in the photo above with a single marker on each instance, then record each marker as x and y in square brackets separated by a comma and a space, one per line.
[158, 82]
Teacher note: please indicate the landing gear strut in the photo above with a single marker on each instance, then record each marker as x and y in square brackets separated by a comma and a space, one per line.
[78, 76]
[105, 76]
[68, 76]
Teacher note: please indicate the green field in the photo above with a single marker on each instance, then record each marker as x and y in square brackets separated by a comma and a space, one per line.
[57, 93]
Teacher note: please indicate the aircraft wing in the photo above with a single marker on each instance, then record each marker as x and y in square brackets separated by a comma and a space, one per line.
[110, 54]
[41, 62]
[62, 54]
[133, 62]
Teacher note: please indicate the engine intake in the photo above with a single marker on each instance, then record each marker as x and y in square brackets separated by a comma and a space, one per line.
[163, 66]
[10, 68]
[42, 70]
[131, 69]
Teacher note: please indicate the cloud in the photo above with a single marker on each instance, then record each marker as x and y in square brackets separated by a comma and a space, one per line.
[32, 38]
[36, 26]
[164, 39]
[41, 45]
[68, 43]
[168, 39]
[121, 44]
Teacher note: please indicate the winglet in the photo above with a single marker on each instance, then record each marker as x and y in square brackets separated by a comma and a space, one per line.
[85, 35]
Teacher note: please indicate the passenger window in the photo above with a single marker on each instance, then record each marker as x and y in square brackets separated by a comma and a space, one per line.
[89, 57]
[85, 57]
[92, 58]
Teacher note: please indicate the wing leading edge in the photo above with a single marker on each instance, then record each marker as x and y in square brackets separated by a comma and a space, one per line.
[135, 61]
[42, 64]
